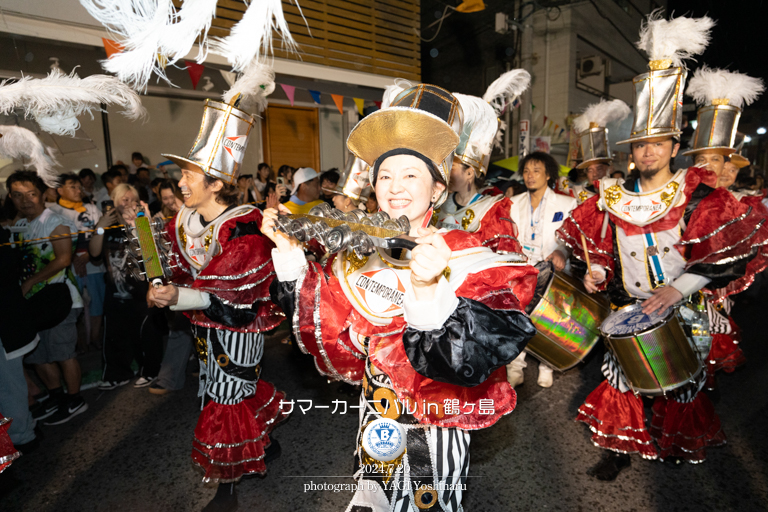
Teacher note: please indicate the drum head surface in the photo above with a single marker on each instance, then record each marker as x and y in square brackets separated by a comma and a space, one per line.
[631, 321]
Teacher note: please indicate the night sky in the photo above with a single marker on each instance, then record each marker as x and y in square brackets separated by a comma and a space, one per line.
[738, 44]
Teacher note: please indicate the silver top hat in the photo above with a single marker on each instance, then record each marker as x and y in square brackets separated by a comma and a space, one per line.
[354, 182]
[594, 146]
[593, 134]
[720, 94]
[658, 102]
[220, 146]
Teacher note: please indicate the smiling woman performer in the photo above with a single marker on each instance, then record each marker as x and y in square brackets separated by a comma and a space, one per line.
[431, 330]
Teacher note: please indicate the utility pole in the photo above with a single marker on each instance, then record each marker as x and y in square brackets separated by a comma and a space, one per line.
[526, 106]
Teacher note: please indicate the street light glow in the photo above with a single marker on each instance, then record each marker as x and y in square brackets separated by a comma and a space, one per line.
[761, 131]
[747, 139]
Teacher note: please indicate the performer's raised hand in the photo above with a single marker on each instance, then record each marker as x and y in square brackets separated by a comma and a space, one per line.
[558, 260]
[663, 298]
[428, 261]
[162, 296]
[283, 242]
[273, 200]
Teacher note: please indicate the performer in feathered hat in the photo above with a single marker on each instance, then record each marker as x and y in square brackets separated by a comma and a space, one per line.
[655, 239]
[721, 95]
[595, 148]
[386, 320]
[221, 283]
[471, 206]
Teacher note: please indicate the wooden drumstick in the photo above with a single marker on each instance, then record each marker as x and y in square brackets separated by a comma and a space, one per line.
[586, 255]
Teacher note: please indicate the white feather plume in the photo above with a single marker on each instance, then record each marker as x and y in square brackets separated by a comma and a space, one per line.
[57, 100]
[391, 92]
[677, 39]
[251, 37]
[506, 88]
[602, 113]
[20, 143]
[254, 85]
[190, 25]
[709, 84]
[139, 26]
[480, 117]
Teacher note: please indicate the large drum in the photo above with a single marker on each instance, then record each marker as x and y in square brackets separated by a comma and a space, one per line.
[567, 321]
[653, 350]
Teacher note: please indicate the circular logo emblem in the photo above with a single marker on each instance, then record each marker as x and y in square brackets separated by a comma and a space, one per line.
[384, 439]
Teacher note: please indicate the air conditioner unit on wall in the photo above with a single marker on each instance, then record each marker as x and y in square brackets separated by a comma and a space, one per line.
[591, 73]
[591, 66]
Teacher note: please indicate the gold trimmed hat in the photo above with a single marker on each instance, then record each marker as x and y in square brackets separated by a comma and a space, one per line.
[737, 158]
[354, 182]
[659, 93]
[593, 133]
[424, 118]
[219, 148]
[721, 95]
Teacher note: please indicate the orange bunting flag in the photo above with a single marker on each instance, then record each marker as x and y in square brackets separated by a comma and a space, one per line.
[338, 99]
[360, 103]
[112, 47]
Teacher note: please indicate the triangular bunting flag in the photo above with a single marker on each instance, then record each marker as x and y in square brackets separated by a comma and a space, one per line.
[228, 77]
[290, 91]
[195, 71]
[338, 99]
[378, 104]
[315, 96]
[112, 47]
[359, 102]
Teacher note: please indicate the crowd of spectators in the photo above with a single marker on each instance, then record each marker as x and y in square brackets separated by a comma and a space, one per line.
[75, 291]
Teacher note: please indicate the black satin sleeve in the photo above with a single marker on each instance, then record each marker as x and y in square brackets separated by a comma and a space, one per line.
[282, 294]
[474, 342]
[230, 316]
[721, 276]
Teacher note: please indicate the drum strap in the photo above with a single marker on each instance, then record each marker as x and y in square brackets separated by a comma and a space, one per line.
[652, 250]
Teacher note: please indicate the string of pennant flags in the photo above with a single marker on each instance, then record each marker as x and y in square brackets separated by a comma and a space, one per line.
[196, 71]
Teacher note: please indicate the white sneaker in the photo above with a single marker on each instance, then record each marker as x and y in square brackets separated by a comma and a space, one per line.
[143, 382]
[107, 385]
[545, 376]
[515, 375]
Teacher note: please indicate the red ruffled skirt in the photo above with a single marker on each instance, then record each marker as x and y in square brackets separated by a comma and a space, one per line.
[230, 439]
[686, 430]
[8, 453]
[725, 353]
[617, 421]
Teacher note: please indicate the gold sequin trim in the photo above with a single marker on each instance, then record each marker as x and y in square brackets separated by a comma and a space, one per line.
[612, 195]
[467, 220]
[355, 262]
[667, 197]
[201, 347]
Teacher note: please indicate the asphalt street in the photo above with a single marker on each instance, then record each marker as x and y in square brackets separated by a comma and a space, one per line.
[131, 450]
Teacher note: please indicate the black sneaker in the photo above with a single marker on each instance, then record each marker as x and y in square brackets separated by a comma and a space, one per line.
[42, 397]
[107, 385]
[41, 410]
[67, 412]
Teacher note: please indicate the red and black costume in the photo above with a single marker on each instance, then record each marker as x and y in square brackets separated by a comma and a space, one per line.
[224, 273]
[436, 368]
[708, 239]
